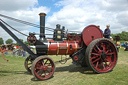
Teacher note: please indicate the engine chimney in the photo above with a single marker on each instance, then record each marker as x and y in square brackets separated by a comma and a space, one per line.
[42, 25]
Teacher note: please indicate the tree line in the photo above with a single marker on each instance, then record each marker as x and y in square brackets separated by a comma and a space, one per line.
[123, 36]
[10, 41]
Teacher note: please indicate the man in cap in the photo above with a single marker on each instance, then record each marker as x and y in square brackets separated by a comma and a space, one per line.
[107, 32]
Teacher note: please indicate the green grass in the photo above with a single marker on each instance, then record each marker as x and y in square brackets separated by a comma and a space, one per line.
[14, 73]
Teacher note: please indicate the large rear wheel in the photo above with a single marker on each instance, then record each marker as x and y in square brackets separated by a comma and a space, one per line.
[101, 55]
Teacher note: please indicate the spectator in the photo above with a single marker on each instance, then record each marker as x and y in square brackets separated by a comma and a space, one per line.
[107, 32]
[14, 52]
[24, 53]
[99, 28]
[6, 52]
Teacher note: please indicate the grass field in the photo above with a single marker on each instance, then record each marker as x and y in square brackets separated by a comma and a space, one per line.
[14, 73]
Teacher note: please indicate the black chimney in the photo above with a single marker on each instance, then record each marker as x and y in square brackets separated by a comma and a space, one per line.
[42, 25]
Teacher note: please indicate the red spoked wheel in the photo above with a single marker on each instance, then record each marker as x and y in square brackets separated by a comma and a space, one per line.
[101, 55]
[28, 64]
[43, 68]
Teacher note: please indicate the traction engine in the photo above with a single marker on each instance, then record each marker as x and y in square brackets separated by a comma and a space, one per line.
[88, 49]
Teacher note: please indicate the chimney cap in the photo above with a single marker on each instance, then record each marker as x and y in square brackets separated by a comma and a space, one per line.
[42, 14]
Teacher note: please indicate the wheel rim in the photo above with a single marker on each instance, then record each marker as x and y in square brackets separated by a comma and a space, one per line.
[103, 56]
[44, 68]
[28, 64]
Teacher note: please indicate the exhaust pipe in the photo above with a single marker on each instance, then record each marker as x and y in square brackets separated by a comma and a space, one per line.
[42, 25]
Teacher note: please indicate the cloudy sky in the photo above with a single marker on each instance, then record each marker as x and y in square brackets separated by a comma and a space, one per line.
[73, 14]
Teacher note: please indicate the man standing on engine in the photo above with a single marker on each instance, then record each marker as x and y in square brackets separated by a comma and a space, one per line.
[107, 32]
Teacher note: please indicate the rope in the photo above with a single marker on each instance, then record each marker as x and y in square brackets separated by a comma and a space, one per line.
[31, 24]
[27, 23]
[13, 28]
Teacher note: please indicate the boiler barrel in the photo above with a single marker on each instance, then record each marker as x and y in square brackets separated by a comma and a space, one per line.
[58, 48]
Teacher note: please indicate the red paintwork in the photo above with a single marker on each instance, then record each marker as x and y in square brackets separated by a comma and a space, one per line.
[75, 58]
[31, 39]
[91, 33]
[51, 41]
[63, 48]
[44, 68]
[96, 59]
[73, 37]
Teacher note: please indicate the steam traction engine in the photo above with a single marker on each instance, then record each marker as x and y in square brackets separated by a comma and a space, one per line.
[88, 48]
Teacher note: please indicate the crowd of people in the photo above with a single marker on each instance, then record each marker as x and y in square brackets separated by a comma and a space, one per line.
[10, 49]
[19, 52]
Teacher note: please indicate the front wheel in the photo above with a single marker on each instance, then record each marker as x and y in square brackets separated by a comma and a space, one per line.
[43, 68]
[101, 55]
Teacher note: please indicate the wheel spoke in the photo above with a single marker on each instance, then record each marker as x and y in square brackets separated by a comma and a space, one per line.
[97, 64]
[96, 54]
[103, 66]
[38, 67]
[100, 64]
[98, 48]
[104, 48]
[46, 61]
[109, 62]
[96, 60]
[107, 51]
[95, 50]
[47, 71]
[49, 67]
[39, 71]
[110, 54]
[43, 63]
[108, 45]
[29, 67]
[106, 63]
[49, 64]
[29, 63]
[94, 57]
